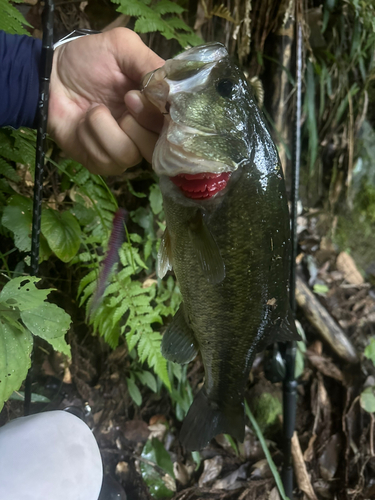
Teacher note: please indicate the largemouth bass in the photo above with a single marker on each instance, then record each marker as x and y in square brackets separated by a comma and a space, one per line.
[227, 232]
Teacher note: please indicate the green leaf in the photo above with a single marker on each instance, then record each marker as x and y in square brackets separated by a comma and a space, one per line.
[156, 199]
[367, 399]
[370, 350]
[62, 232]
[17, 217]
[35, 398]
[154, 452]
[8, 171]
[161, 457]
[321, 289]
[197, 459]
[47, 321]
[22, 293]
[59, 344]
[134, 391]
[133, 192]
[148, 379]
[232, 443]
[15, 349]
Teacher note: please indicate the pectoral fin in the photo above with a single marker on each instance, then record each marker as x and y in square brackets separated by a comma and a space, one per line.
[206, 249]
[179, 344]
[164, 261]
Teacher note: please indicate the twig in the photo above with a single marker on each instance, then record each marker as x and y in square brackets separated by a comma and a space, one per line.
[324, 323]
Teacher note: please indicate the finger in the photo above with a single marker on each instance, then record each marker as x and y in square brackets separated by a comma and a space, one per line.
[91, 155]
[143, 139]
[112, 139]
[143, 111]
[133, 57]
[93, 152]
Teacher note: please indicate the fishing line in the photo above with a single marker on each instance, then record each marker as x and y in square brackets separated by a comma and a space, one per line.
[42, 116]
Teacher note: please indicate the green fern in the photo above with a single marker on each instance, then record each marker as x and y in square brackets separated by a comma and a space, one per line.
[131, 307]
[11, 19]
[128, 310]
[151, 17]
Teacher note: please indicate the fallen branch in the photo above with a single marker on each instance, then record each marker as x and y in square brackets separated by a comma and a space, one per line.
[324, 323]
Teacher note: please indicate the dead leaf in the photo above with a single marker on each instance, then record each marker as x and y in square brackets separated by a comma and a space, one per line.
[309, 452]
[274, 494]
[329, 459]
[158, 431]
[261, 470]
[211, 470]
[347, 266]
[325, 366]
[303, 479]
[136, 431]
[148, 282]
[157, 419]
[231, 481]
[183, 472]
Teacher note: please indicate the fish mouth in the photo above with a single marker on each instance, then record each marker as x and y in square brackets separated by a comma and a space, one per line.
[201, 186]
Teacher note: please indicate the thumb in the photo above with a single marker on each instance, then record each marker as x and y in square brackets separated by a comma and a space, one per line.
[143, 111]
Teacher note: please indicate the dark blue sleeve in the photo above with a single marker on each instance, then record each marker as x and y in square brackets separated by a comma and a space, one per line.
[19, 79]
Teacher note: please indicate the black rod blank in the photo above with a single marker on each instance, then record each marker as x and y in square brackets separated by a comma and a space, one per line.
[290, 383]
[42, 116]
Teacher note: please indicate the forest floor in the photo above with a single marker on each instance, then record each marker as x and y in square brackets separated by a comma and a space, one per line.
[333, 448]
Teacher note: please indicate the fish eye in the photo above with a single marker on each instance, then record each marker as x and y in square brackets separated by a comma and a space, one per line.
[224, 87]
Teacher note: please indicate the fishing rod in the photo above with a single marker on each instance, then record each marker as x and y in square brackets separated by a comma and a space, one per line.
[42, 116]
[290, 383]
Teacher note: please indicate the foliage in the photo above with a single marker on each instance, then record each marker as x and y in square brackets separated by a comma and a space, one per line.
[24, 313]
[339, 72]
[265, 449]
[163, 16]
[157, 469]
[370, 350]
[133, 304]
[11, 20]
[367, 399]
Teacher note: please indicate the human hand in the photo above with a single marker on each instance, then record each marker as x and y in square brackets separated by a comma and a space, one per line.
[89, 115]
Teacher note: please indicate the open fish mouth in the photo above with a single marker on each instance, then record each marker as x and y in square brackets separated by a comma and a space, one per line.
[202, 185]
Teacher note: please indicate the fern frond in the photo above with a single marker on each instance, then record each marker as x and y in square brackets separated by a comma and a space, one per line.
[178, 24]
[223, 12]
[134, 8]
[86, 280]
[11, 19]
[149, 349]
[150, 24]
[168, 7]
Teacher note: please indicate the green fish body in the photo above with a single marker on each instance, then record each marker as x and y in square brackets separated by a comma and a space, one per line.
[227, 236]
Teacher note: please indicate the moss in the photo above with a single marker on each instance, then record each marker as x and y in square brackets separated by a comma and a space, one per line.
[267, 410]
